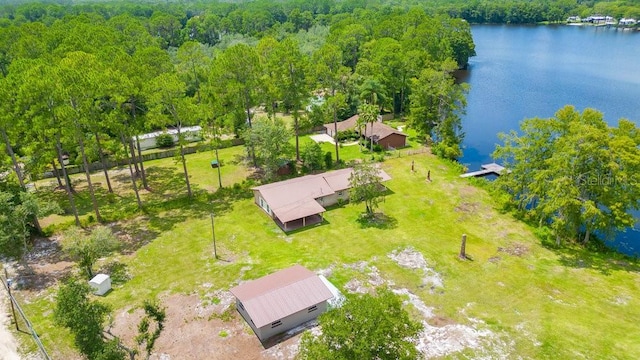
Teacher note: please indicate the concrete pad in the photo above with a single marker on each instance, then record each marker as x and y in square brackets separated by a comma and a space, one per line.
[320, 138]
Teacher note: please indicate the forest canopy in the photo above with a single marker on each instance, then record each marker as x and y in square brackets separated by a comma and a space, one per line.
[255, 17]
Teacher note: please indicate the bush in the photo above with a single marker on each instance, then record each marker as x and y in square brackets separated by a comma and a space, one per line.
[164, 140]
[328, 160]
[312, 156]
[348, 135]
[447, 151]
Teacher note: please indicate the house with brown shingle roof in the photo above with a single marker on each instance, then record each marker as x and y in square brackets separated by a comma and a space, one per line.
[382, 134]
[300, 202]
[281, 301]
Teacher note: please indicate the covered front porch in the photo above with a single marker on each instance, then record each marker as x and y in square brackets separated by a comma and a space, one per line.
[296, 224]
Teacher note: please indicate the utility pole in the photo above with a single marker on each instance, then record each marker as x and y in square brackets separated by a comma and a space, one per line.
[213, 232]
[219, 165]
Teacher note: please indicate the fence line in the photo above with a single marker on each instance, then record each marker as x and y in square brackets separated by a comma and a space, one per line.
[408, 152]
[15, 305]
[160, 154]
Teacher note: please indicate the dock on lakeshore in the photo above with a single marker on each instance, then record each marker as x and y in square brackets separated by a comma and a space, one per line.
[487, 169]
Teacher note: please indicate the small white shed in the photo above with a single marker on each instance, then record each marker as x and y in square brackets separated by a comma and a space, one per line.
[101, 284]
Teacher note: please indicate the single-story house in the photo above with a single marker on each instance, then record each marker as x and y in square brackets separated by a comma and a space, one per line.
[382, 134]
[281, 301]
[299, 202]
[190, 133]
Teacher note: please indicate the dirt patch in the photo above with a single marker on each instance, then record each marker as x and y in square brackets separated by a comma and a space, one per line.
[441, 337]
[41, 267]
[467, 190]
[440, 321]
[621, 300]
[372, 281]
[426, 311]
[208, 328]
[133, 234]
[515, 249]
[437, 341]
[467, 207]
[412, 259]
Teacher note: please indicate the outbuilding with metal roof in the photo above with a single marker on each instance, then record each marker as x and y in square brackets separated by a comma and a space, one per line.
[281, 301]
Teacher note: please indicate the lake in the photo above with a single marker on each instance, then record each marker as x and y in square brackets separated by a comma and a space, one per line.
[532, 71]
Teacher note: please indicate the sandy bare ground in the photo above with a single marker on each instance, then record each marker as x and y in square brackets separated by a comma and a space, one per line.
[439, 337]
[8, 343]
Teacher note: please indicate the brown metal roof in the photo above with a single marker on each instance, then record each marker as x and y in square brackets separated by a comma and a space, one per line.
[296, 198]
[298, 210]
[338, 180]
[343, 125]
[278, 295]
[380, 130]
[283, 193]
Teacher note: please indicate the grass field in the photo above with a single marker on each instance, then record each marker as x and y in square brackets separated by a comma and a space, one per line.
[543, 302]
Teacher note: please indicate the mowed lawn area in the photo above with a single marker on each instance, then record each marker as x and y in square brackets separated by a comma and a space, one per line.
[540, 301]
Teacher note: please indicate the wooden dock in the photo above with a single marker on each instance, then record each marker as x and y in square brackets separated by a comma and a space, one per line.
[487, 169]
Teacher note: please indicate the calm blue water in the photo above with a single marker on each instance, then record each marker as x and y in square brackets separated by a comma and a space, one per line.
[532, 71]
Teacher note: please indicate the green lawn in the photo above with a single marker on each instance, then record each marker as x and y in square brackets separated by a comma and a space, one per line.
[544, 303]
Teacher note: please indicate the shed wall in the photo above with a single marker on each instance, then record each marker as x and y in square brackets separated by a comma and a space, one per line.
[393, 140]
[291, 321]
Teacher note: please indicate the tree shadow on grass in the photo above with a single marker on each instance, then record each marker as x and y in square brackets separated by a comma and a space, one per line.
[165, 181]
[605, 261]
[29, 274]
[134, 234]
[378, 221]
[166, 205]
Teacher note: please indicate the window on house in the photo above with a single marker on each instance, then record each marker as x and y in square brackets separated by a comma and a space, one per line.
[340, 193]
[312, 309]
[241, 306]
[276, 324]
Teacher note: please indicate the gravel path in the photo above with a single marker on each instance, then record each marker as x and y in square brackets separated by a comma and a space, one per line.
[8, 343]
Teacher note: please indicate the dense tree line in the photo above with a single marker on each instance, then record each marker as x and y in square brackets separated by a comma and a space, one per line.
[207, 21]
[529, 12]
[79, 89]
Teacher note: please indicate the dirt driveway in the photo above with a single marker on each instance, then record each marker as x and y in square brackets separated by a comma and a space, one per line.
[8, 343]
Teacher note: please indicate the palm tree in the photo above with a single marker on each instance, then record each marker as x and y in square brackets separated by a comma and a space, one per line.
[369, 114]
[373, 92]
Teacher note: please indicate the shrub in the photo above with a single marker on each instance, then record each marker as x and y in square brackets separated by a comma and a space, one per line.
[328, 160]
[164, 140]
[312, 156]
[348, 135]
